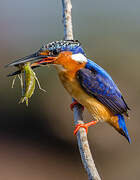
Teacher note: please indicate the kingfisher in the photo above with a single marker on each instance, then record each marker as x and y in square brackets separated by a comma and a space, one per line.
[87, 82]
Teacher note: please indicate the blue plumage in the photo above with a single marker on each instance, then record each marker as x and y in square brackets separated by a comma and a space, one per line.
[122, 125]
[73, 49]
[98, 83]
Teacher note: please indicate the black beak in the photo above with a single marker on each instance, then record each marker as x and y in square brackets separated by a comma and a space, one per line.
[31, 58]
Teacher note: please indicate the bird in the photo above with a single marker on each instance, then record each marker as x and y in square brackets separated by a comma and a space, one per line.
[87, 82]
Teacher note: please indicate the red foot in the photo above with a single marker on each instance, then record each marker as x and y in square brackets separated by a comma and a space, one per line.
[76, 103]
[86, 125]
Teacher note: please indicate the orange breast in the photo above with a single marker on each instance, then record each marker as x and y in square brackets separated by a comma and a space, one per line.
[97, 109]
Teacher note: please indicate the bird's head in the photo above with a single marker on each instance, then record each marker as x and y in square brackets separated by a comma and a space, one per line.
[65, 53]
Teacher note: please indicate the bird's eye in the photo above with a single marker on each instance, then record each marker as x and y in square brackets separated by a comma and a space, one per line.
[55, 52]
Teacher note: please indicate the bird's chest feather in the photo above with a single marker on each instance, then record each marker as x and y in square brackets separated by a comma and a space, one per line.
[71, 84]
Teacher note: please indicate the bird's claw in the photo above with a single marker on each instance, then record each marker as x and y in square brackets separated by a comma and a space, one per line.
[86, 125]
[78, 126]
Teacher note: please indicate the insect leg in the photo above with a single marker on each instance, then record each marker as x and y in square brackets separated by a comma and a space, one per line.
[21, 83]
[39, 83]
[13, 82]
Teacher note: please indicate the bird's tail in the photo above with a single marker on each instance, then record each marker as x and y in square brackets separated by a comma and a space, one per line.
[118, 122]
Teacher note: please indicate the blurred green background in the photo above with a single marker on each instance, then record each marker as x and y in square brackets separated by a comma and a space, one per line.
[37, 143]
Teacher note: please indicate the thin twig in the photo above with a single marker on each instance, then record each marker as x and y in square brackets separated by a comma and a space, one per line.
[83, 145]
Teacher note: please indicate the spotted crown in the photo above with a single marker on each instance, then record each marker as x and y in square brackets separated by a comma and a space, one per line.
[64, 45]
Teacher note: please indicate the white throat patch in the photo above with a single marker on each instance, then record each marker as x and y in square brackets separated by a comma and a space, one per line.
[79, 58]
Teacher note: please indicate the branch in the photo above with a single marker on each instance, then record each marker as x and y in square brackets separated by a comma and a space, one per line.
[83, 145]
[67, 20]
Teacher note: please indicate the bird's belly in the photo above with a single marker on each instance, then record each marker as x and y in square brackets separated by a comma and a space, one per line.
[97, 109]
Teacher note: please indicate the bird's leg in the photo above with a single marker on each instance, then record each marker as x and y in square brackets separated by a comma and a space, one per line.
[76, 103]
[86, 125]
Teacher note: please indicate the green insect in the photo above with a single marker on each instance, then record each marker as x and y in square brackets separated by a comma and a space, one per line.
[28, 85]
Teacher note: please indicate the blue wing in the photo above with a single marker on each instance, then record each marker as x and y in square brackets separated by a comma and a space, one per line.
[97, 83]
